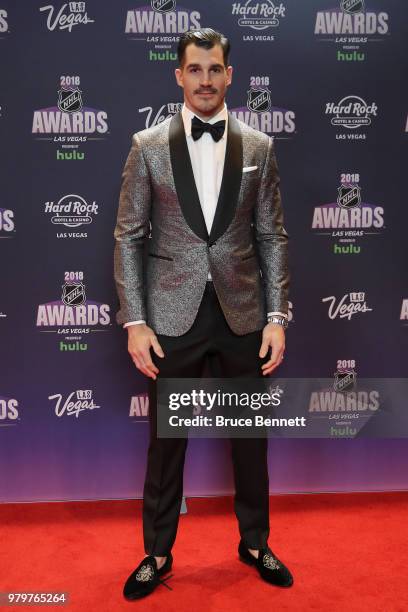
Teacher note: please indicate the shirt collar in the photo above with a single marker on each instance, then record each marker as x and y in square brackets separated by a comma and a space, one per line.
[187, 116]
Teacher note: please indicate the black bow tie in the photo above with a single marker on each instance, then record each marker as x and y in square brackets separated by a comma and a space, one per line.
[198, 128]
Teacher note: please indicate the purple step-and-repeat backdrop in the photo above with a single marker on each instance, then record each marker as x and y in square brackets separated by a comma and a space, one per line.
[326, 79]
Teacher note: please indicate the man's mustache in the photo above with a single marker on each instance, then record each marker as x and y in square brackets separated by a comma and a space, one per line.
[208, 90]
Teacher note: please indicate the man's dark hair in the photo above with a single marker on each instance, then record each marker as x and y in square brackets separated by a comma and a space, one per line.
[203, 37]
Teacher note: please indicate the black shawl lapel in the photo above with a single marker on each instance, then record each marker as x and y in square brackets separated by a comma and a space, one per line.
[184, 178]
[185, 184]
[231, 181]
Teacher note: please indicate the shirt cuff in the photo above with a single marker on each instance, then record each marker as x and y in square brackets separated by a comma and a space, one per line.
[133, 323]
[282, 314]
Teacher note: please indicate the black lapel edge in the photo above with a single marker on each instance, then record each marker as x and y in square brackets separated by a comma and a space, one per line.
[184, 178]
[231, 181]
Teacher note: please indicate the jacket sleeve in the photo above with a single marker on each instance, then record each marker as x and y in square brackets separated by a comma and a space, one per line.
[132, 228]
[271, 236]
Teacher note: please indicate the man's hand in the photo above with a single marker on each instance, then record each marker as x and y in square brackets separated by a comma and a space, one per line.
[273, 336]
[140, 339]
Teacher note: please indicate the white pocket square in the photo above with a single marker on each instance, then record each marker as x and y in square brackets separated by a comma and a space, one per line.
[249, 168]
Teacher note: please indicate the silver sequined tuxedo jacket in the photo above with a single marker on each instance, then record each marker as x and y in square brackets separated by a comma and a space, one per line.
[162, 248]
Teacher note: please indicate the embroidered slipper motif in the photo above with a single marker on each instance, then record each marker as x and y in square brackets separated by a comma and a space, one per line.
[145, 573]
[270, 562]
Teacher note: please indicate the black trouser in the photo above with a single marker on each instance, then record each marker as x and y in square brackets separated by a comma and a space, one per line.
[229, 355]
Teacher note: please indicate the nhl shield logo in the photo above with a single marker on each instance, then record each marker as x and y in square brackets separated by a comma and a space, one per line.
[73, 294]
[344, 381]
[352, 6]
[259, 100]
[163, 6]
[349, 197]
[69, 100]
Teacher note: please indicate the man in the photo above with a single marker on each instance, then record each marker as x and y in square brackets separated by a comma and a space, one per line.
[213, 287]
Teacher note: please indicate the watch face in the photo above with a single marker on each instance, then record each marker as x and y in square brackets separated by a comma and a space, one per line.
[280, 320]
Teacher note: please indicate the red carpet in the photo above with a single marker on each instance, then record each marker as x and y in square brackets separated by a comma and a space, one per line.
[347, 552]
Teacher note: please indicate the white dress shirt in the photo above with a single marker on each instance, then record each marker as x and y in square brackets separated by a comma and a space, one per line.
[207, 160]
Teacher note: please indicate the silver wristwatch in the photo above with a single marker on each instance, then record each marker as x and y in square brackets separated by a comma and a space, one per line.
[279, 320]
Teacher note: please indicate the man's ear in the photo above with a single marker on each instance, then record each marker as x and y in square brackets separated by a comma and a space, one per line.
[229, 75]
[179, 77]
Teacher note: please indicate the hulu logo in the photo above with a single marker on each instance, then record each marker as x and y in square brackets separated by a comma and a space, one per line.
[157, 56]
[67, 155]
[73, 346]
[336, 432]
[355, 56]
[349, 249]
